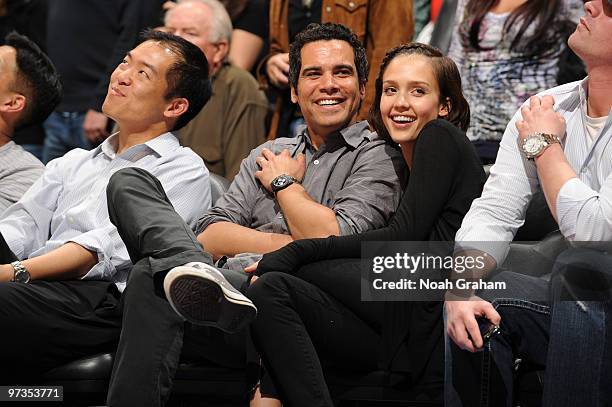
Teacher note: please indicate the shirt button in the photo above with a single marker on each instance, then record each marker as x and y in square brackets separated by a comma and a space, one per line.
[351, 5]
[316, 162]
[328, 9]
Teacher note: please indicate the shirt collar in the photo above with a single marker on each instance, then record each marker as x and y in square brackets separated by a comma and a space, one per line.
[352, 135]
[161, 145]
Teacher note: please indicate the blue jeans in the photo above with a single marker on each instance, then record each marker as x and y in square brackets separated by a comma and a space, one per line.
[64, 132]
[570, 338]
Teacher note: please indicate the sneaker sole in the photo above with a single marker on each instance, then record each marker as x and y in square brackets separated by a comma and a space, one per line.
[202, 300]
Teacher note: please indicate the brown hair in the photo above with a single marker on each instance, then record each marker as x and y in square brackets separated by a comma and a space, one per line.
[448, 78]
[541, 13]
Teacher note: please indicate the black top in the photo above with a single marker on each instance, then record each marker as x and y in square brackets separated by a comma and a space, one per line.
[254, 19]
[300, 16]
[446, 177]
[86, 40]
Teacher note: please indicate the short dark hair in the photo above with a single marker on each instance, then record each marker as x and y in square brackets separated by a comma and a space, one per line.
[187, 77]
[326, 32]
[36, 79]
[448, 78]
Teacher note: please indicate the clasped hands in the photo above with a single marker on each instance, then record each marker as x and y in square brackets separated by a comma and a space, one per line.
[272, 165]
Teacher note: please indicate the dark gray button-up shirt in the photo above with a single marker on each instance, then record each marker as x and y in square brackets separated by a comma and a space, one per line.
[354, 173]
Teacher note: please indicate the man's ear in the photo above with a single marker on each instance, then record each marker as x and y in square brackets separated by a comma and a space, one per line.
[362, 90]
[294, 96]
[176, 107]
[13, 103]
[221, 52]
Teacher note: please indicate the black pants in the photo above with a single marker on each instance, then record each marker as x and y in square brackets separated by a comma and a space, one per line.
[48, 323]
[153, 335]
[299, 323]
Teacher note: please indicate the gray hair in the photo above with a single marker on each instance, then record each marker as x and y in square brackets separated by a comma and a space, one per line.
[221, 24]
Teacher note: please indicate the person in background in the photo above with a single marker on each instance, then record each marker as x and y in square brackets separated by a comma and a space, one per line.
[250, 33]
[29, 91]
[507, 51]
[29, 18]
[233, 122]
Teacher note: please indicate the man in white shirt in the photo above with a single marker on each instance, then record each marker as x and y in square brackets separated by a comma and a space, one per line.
[560, 143]
[65, 264]
[29, 90]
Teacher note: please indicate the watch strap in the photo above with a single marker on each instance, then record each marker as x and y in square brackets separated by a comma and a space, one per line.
[291, 180]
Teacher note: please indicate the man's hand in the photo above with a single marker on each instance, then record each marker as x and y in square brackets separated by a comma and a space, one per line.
[461, 320]
[168, 5]
[6, 273]
[273, 165]
[94, 126]
[277, 67]
[539, 117]
[251, 268]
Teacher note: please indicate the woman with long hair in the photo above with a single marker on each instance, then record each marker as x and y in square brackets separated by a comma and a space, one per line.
[314, 315]
[507, 51]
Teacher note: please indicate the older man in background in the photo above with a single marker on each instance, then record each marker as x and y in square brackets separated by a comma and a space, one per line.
[233, 121]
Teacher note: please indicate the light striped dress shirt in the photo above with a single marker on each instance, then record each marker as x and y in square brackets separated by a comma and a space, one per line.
[68, 203]
[584, 204]
[18, 171]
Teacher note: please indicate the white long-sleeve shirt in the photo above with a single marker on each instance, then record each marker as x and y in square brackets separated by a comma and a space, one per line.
[584, 204]
[68, 203]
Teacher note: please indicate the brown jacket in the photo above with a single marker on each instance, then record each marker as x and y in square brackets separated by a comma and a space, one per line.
[379, 24]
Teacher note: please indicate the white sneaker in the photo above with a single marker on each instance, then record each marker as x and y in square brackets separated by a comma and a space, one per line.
[200, 294]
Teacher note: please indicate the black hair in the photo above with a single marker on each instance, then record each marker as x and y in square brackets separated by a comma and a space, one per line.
[326, 32]
[446, 74]
[543, 12]
[36, 78]
[187, 77]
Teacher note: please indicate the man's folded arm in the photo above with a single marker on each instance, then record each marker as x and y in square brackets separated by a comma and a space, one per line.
[305, 217]
[230, 239]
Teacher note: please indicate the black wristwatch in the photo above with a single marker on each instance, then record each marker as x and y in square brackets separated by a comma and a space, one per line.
[20, 273]
[281, 182]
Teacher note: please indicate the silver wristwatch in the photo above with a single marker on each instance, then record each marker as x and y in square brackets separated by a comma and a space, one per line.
[535, 144]
[20, 273]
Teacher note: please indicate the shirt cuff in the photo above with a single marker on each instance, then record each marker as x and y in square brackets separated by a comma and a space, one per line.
[570, 200]
[100, 243]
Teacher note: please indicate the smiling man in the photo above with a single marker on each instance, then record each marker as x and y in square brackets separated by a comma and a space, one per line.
[62, 262]
[335, 178]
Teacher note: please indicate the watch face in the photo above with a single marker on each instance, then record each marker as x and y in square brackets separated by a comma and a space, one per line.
[533, 145]
[22, 276]
[280, 182]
